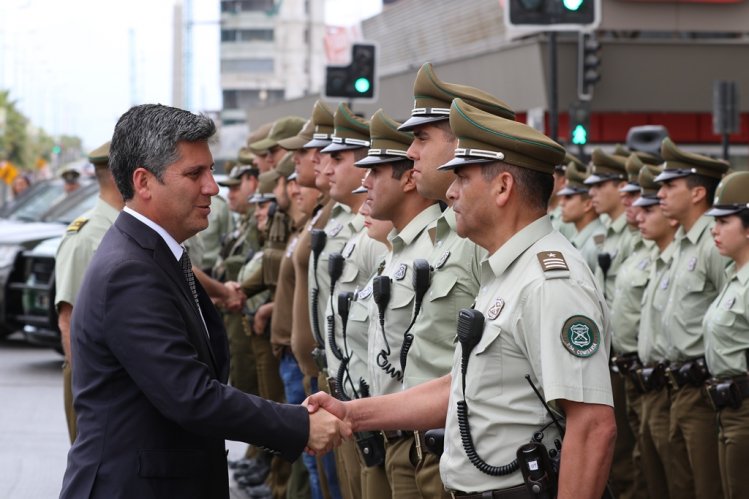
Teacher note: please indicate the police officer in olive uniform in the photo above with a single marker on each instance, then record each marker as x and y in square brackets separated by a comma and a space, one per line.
[454, 261]
[268, 151]
[726, 325]
[577, 209]
[696, 276]
[539, 312]
[392, 297]
[649, 379]
[555, 208]
[71, 178]
[220, 224]
[73, 255]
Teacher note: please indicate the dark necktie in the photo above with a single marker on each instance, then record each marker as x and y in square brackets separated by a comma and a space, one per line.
[189, 276]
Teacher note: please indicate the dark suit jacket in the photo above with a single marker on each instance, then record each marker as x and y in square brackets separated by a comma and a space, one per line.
[153, 409]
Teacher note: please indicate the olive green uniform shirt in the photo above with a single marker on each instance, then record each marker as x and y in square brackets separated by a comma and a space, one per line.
[565, 228]
[550, 324]
[337, 232]
[362, 257]
[78, 247]
[726, 326]
[220, 223]
[454, 285]
[629, 288]
[697, 274]
[652, 342]
[618, 245]
[589, 242]
[384, 347]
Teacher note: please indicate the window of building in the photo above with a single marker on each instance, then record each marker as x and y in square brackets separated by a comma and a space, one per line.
[231, 100]
[236, 6]
[246, 35]
[247, 66]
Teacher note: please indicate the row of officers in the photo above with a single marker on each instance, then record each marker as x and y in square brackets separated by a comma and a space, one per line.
[361, 260]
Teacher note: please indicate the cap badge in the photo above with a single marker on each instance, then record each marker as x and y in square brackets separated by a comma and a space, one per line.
[443, 259]
[692, 264]
[400, 274]
[580, 336]
[552, 260]
[495, 309]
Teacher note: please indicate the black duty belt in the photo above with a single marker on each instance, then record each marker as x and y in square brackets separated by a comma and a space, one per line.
[391, 436]
[517, 492]
[727, 392]
[625, 363]
[691, 372]
[649, 378]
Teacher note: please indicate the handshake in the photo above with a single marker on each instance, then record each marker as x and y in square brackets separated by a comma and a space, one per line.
[329, 423]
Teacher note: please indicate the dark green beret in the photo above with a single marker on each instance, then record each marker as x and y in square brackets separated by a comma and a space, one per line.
[432, 98]
[351, 132]
[487, 138]
[681, 163]
[387, 143]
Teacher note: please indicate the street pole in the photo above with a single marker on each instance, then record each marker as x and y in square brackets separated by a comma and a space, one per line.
[553, 97]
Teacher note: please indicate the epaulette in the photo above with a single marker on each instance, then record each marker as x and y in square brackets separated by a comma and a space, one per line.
[76, 224]
[553, 264]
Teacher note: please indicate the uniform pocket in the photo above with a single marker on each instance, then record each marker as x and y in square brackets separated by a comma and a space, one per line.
[441, 285]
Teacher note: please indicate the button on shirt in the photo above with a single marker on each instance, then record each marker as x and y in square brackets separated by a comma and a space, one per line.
[454, 285]
[726, 326]
[630, 285]
[697, 274]
[652, 341]
[410, 243]
[524, 336]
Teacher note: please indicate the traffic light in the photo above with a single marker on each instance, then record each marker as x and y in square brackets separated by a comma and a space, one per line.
[579, 123]
[358, 80]
[553, 15]
[588, 65]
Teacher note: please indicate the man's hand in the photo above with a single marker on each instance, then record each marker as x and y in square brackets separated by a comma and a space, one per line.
[234, 297]
[322, 400]
[326, 432]
[262, 315]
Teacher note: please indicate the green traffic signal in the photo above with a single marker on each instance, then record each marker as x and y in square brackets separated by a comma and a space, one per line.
[579, 135]
[572, 4]
[362, 85]
[56, 149]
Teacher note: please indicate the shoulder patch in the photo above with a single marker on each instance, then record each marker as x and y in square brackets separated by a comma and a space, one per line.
[580, 336]
[76, 224]
[552, 260]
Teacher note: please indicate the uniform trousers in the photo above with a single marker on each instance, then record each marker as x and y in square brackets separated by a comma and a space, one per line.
[622, 476]
[733, 450]
[634, 417]
[409, 476]
[374, 481]
[693, 426]
[655, 448]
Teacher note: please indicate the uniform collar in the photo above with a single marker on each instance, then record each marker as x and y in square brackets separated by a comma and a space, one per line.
[699, 227]
[356, 224]
[588, 231]
[518, 244]
[667, 254]
[619, 224]
[446, 223]
[411, 231]
[742, 275]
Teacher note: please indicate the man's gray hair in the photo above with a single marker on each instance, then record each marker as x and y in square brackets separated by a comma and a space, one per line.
[147, 136]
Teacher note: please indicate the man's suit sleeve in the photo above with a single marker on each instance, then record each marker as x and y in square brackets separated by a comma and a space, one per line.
[148, 330]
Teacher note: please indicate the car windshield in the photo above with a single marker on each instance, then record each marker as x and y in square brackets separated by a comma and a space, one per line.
[31, 207]
[70, 211]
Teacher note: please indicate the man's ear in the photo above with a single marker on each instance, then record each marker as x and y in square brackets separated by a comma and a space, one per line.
[502, 187]
[408, 183]
[699, 193]
[142, 181]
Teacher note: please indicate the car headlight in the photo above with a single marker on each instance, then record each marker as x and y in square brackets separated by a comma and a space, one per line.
[8, 254]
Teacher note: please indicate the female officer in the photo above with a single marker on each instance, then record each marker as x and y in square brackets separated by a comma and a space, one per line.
[726, 327]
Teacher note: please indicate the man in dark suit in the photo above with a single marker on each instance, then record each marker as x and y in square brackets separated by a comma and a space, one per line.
[149, 349]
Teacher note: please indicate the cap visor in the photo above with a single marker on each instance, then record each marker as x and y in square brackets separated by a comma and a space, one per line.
[571, 191]
[718, 211]
[670, 175]
[458, 162]
[630, 188]
[293, 143]
[359, 190]
[415, 121]
[292, 177]
[646, 201]
[317, 143]
[335, 147]
[378, 160]
[229, 182]
[262, 145]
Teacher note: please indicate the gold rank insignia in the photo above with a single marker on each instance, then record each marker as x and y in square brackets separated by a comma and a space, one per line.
[552, 260]
[495, 309]
[76, 224]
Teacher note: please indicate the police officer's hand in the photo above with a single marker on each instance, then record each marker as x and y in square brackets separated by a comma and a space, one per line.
[234, 297]
[326, 432]
[322, 400]
[262, 316]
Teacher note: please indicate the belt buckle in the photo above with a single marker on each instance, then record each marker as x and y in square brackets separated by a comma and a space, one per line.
[419, 451]
[673, 379]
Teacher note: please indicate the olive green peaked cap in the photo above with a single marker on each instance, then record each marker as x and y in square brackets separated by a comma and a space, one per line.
[648, 186]
[259, 134]
[245, 156]
[487, 138]
[681, 163]
[235, 175]
[387, 143]
[575, 173]
[571, 158]
[282, 128]
[606, 167]
[100, 155]
[324, 121]
[286, 165]
[620, 150]
[633, 165]
[432, 98]
[298, 140]
[351, 132]
[732, 195]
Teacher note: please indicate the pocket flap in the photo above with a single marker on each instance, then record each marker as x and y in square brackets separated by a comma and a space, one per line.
[491, 333]
[441, 285]
[350, 271]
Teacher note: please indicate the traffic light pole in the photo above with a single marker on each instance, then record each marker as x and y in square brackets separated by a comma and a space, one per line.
[553, 88]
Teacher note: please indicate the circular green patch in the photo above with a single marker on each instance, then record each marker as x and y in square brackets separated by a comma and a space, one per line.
[580, 336]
